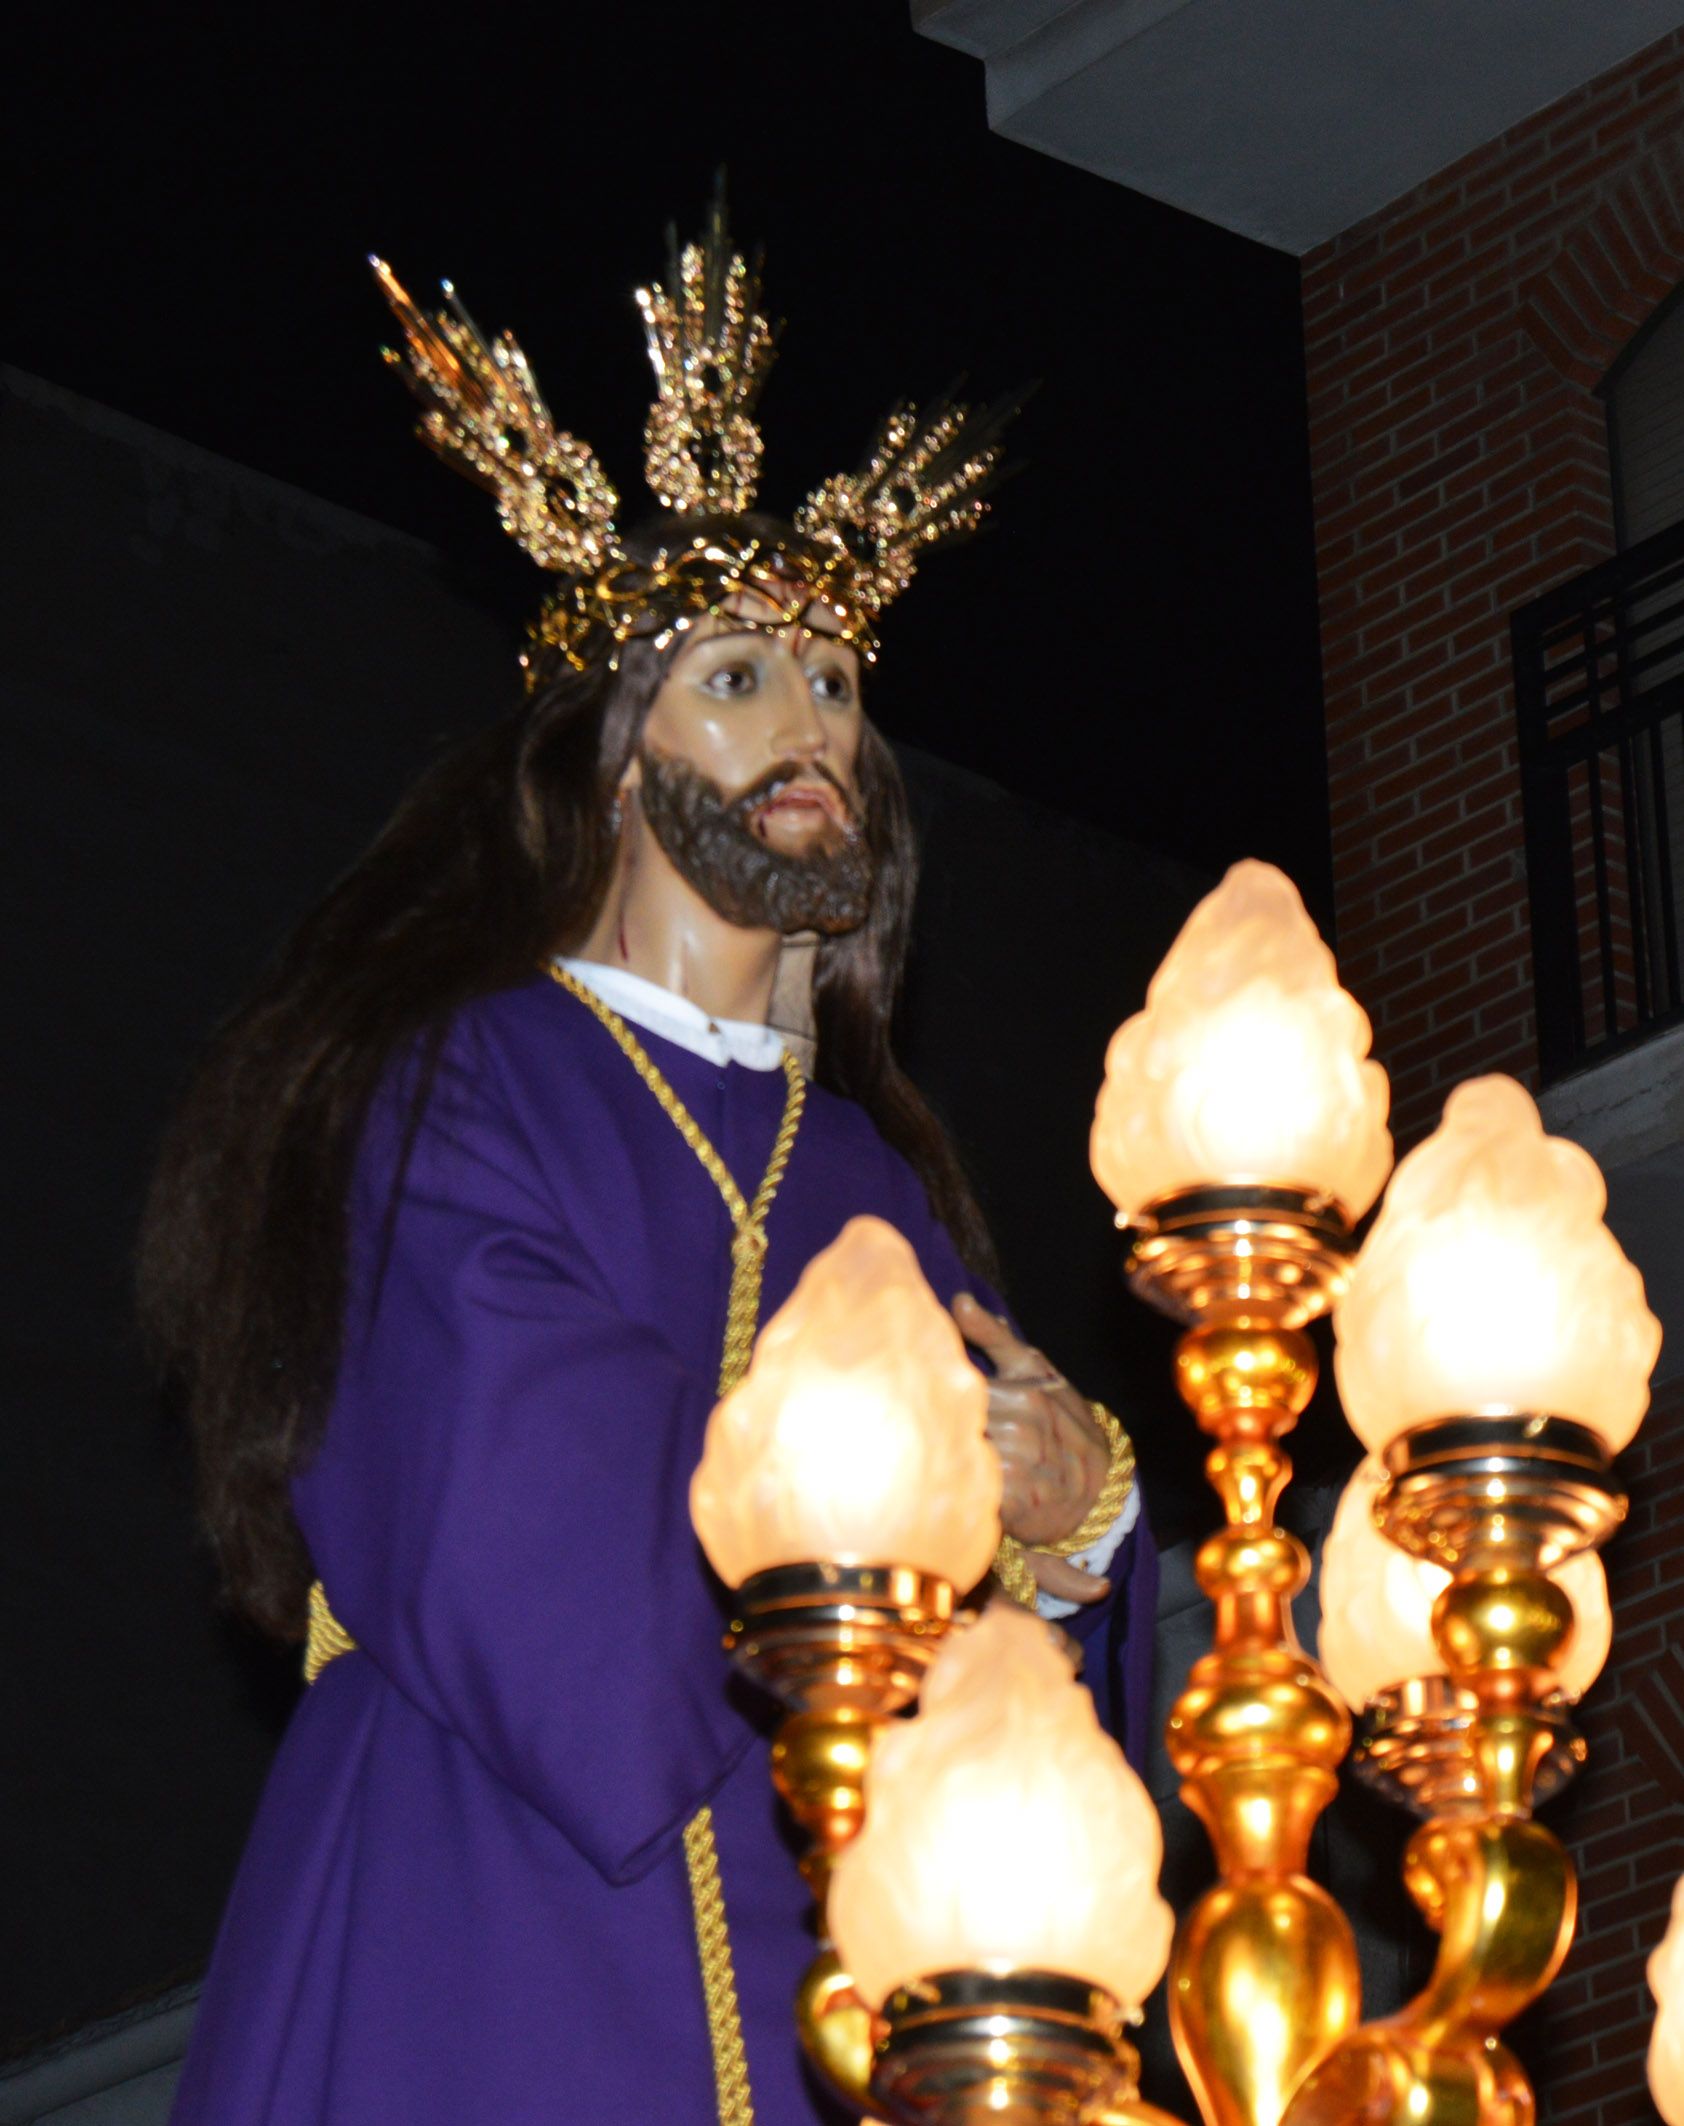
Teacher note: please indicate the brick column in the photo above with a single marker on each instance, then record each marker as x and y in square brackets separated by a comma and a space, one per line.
[1458, 452]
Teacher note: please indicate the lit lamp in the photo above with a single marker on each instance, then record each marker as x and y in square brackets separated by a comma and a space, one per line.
[1376, 1645]
[1494, 1349]
[847, 1491]
[1666, 2047]
[1000, 1906]
[1243, 1096]
[1241, 1132]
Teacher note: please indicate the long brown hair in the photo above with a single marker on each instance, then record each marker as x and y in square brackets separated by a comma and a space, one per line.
[499, 855]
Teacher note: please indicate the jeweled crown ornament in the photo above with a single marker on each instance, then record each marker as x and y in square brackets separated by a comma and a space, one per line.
[860, 535]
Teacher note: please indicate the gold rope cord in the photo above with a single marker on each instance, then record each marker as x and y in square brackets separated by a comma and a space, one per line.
[719, 1978]
[328, 1638]
[748, 1247]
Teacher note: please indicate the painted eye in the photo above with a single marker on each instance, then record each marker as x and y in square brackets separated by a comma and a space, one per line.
[832, 685]
[731, 679]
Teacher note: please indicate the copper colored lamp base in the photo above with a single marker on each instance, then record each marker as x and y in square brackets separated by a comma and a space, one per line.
[1414, 1747]
[1012, 2048]
[1204, 1255]
[820, 1636]
[844, 1647]
[1531, 1487]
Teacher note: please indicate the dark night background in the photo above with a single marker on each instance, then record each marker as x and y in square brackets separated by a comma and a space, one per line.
[195, 196]
[210, 704]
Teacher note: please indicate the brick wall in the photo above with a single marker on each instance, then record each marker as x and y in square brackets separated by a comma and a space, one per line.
[1453, 344]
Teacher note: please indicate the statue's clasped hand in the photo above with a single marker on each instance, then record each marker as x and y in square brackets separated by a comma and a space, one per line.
[1053, 1455]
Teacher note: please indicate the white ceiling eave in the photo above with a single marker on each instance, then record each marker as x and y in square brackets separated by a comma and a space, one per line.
[1285, 120]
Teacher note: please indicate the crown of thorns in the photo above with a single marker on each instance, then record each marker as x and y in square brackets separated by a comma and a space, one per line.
[924, 480]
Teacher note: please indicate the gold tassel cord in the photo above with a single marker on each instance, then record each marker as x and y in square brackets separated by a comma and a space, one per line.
[327, 1638]
[719, 1977]
[1011, 1569]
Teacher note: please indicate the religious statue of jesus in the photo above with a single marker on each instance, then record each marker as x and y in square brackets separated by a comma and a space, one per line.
[443, 1248]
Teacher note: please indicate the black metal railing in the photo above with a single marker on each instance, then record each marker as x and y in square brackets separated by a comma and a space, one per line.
[1599, 685]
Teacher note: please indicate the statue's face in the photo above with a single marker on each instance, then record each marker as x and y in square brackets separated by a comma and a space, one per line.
[739, 705]
[746, 771]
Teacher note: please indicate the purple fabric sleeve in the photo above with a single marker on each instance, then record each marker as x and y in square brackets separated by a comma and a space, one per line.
[1116, 1637]
[499, 1507]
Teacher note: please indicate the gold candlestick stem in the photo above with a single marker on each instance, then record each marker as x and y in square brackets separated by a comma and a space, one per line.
[818, 1767]
[1495, 1499]
[1502, 1897]
[1263, 1977]
[843, 1647]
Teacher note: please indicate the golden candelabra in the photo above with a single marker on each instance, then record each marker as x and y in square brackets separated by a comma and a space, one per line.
[1493, 1350]
[1263, 1979]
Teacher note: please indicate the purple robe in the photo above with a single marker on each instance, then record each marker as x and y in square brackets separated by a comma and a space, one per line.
[465, 1896]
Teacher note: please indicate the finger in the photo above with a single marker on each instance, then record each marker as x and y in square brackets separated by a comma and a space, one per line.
[989, 1332]
[1029, 1403]
[1066, 1582]
[1011, 1358]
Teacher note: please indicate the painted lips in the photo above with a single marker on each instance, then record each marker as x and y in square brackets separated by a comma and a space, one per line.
[804, 797]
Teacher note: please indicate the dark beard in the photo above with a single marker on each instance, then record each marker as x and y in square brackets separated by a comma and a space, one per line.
[710, 841]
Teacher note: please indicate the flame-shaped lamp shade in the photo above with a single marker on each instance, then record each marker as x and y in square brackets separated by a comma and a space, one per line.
[1666, 2047]
[1377, 1605]
[1490, 1285]
[856, 1437]
[1004, 1830]
[1249, 1063]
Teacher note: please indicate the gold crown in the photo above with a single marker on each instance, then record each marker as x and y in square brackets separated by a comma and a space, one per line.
[862, 534]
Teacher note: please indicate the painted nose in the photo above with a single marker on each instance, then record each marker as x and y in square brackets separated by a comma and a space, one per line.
[799, 733]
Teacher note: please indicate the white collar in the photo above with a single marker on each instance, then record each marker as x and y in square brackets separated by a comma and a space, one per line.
[676, 1019]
